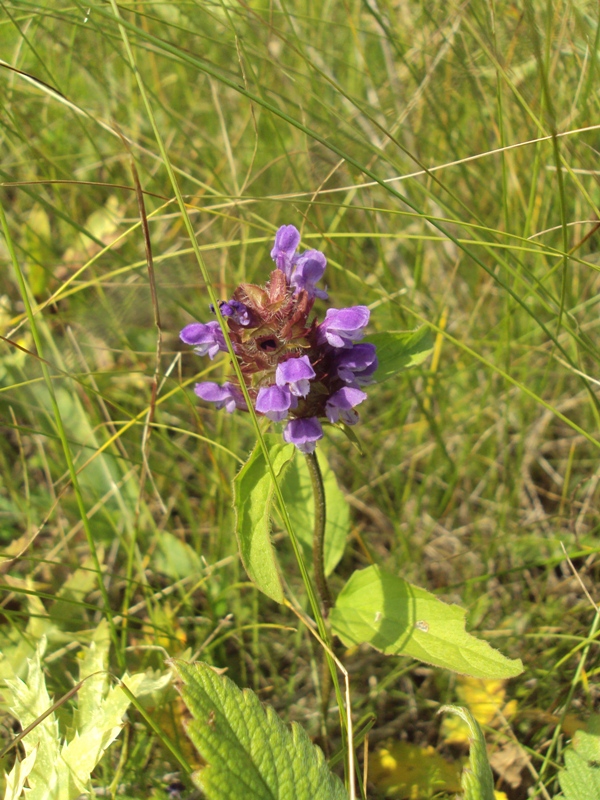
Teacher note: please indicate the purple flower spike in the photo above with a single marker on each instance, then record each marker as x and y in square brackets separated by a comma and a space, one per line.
[343, 326]
[275, 402]
[207, 338]
[357, 365]
[304, 433]
[227, 396]
[287, 240]
[296, 373]
[310, 267]
[341, 405]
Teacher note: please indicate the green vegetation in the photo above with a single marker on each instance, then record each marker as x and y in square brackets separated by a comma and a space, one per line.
[444, 157]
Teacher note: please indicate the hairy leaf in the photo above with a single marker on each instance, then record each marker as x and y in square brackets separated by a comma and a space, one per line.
[580, 780]
[252, 496]
[477, 779]
[58, 769]
[249, 751]
[298, 495]
[400, 350]
[400, 619]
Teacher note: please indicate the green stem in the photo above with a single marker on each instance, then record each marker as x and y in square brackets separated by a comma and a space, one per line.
[319, 531]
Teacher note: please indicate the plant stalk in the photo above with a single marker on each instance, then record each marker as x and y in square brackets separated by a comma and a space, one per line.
[319, 531]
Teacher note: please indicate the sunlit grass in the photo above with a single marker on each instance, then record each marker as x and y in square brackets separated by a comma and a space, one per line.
[444, 158]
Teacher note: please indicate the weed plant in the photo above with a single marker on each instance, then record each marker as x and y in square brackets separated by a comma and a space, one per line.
[443, 155]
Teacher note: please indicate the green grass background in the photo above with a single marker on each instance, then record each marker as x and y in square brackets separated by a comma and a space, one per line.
[444, 157]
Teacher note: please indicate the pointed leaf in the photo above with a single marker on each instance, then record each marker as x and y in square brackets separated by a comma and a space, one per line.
[298, 495]
[15, 780]
[400, 350]
[400, 619]
[252, 496]
[477, 779]
[580, 780]
[249, 751]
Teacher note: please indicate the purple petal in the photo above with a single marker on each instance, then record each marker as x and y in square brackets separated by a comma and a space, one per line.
[227, 396]
[341, 405]
[234, 309]
[343, 326]
[357, 365]
[310, 267]
[275, 402]
[304, 433]
[207, 337]
[287, 240]
[295, 373]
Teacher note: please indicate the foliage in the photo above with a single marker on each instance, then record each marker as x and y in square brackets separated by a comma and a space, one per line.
[397, 618]
[580, 779]
[248, 750]
[477, 780]
[59, 769]
[253, 495]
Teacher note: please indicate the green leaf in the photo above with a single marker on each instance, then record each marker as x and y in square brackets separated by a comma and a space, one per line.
[477, 780]
[400, 350]
[252, 497]
[580, 780]
[250, 752]
[400, 619]
[298, 495]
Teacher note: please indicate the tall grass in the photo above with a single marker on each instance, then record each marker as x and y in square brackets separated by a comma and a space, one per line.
[444, 158]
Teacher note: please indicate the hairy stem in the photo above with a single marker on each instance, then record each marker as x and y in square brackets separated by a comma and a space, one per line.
[319, 531]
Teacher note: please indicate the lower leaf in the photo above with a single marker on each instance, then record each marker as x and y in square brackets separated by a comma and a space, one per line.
[397, 618]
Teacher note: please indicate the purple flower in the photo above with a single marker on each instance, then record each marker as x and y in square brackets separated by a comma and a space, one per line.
[343, 326]
[357, 365]
[234, 309]
[310, 267]
[304, 433]
[275, 402]
[295, 373]
[287, 240]
[341, 405]
[206, 337]
[227, 396]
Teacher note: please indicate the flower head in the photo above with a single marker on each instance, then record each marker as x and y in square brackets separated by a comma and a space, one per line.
[293, 368]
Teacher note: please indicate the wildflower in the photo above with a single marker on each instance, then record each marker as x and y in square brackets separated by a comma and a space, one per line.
[304, 433]
[341, 405]
[295, 373]
[343, 326]
[293, 368]
[208, 338]
[227, 396]
[357, 365]
[275, 401]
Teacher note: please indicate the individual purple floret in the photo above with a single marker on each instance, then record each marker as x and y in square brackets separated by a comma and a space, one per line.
[234, 309]
[275, 402]
[343, 326]
[287, 240]
[310, 267]
[341, 405]
[227, 396]
[207, 338]
[296, 373]
[304, 433]
[357, 365]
